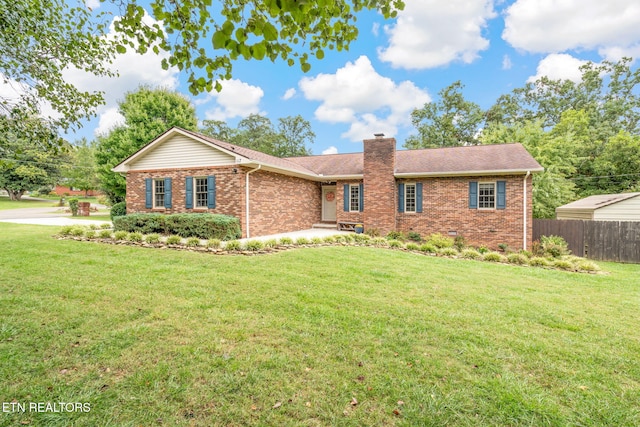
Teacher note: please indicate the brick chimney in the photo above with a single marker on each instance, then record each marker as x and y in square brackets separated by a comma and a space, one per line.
[380, 184]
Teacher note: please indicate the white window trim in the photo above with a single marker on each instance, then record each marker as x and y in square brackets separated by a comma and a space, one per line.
[164, 194]
[495, 195]
[195, 192]
[415, 197]
[351, 186]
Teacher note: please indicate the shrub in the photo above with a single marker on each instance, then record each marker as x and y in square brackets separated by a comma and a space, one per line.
[135, 237]
[90, 234]
[526, 253]
[503, 247]
[316, 240]
[412, 246]
[77, 231]
[119, 209]
[339, 238]
[471, 254]
[254, 245]
[106, 226]
[153, 238]
[105, 234]
[428, 248]
[329, 239]
[519, 259]
[493, 257]
[448, 251]
[103, 200]
[440, 241]
[193, 242]
[373, 232]
[395, 235]
[286, 241]
[233, 245]
[203, 226]
[483, 249]
[563, 264]
[93, 226]
[414, 236]
[459, 242]
[361, 238]
[73, 205]
[66, 230]
[272, 243]
[590, 266]
[395, 243]
[538, 262]
[214, 243]
[380, 241]
[302, 241]
[120, 235]
[174, 240]
[554, 246]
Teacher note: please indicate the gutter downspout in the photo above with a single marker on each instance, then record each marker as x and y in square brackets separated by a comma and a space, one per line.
[246, 187]
[524, 207]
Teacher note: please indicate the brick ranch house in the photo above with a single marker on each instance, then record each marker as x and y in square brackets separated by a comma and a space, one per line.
[482, 193]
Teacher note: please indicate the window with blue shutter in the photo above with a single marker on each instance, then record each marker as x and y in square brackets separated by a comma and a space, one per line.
[167, 193]
[401, 197]
[189, 192]
[501, 190]
[419, 197]
[211, 192]
[473, 195]
[148, 193]
[361, 196]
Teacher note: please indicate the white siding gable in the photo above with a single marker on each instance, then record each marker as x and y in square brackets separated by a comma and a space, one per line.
[181, 151]
[626, 210]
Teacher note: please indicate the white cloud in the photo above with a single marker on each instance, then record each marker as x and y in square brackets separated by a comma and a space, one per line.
[556, 26]
[133, 71]
[358, 95]
[375, 29]
[110, 119]
[559, 67]
[432, 33]
[330, 150]
[92, 4]
[236, 99]
[290, 93]
[506, 62]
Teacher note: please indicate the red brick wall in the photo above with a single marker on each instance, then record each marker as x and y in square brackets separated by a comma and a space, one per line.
[341, 215]
[446, 208]
[61, 191]
[280, 203]
[379, 184]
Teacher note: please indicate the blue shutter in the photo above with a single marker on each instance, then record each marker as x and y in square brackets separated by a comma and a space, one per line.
[501, 201]
[418, 197]
[361, 197]
[211, 192]
[346, 197]
[189, 192]
[473, 195]
[148, 193]
[167, 193]
[401, 197]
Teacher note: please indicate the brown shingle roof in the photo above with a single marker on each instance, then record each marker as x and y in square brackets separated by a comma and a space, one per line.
[433, 161]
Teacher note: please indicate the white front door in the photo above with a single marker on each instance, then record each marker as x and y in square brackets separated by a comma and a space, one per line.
[329, 203]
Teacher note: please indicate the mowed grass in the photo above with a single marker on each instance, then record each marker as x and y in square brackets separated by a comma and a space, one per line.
[321, 336]
[5, 203]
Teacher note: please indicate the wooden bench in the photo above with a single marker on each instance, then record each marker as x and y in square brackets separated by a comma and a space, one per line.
[347, 226]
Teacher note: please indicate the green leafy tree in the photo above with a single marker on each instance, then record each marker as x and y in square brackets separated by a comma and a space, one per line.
[147, 113]
[38, 41]
[26, 163]
[289, 139]
[617, 169]
[450, 122]
[289, 30]
[82, 172]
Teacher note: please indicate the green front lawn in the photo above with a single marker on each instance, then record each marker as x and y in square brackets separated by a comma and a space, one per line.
[320, 336]
[5, 203]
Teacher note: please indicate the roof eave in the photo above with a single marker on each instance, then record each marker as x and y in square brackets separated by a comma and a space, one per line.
[468, 173]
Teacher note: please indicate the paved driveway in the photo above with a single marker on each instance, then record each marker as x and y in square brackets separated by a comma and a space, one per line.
[43, 216]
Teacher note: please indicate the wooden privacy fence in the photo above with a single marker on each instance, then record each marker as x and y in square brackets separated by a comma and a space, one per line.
[600, 240]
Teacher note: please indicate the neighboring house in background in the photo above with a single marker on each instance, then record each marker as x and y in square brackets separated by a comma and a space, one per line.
[603, 207]
[482, 193]
[62, 190]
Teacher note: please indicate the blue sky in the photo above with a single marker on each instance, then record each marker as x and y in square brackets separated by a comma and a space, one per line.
[492, 46]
